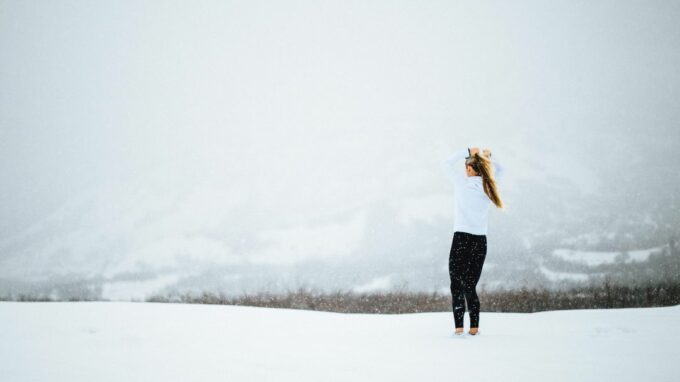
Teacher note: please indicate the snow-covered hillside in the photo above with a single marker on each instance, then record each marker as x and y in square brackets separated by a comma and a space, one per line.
[107, 341]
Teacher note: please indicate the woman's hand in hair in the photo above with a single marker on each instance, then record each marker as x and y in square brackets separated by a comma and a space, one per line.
[473, 150]
[487, 153]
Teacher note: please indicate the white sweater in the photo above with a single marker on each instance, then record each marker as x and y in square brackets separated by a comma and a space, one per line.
[471, 205]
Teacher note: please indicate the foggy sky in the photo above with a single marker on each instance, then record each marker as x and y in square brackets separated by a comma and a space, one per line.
[171, 136]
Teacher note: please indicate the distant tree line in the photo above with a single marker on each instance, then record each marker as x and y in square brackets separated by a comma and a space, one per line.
[525, 300]
[602, 296]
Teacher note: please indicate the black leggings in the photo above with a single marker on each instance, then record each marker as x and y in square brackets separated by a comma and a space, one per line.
[467, 256]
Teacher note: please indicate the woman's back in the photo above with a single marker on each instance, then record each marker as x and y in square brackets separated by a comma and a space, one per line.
[471, 204]
[471, 207]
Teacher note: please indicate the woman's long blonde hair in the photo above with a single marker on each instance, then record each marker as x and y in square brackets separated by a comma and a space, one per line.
[482, 166]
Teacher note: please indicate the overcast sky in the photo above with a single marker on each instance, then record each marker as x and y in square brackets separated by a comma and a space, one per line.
[261, 131]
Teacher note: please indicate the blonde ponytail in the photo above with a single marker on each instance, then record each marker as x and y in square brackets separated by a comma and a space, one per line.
[482, 165]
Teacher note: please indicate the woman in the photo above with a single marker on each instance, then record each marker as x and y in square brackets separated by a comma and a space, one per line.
[475, 192]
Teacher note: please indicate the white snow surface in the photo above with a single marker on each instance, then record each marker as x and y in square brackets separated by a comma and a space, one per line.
[126, 341]
[559, 276]
[593, 258]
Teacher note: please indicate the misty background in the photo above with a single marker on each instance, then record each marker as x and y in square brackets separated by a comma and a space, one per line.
[243, 146]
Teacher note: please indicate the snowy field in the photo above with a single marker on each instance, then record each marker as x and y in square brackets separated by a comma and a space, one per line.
[119, 341]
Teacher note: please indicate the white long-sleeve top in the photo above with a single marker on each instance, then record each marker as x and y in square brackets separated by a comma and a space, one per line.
[471, 204]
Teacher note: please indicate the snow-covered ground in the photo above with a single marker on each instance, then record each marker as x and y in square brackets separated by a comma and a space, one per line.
[119, 341]
[594, 258]
[560, 276]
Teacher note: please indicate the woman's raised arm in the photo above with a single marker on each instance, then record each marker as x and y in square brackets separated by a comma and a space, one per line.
[449, 166]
